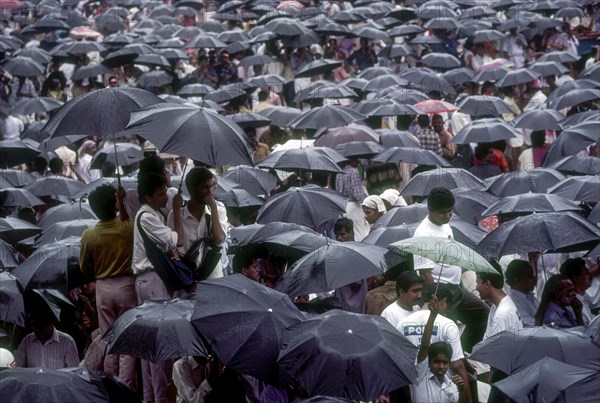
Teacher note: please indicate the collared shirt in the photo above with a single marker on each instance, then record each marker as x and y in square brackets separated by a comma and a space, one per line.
[188, 377]
[503, 316]
[350, 184]
[430, 140]
[106, 249]
[153, 224]
[57, 352]
[194, 229]
[429, 389]
[394, 313]
[449, 274]
[527, 305]
[558, 316]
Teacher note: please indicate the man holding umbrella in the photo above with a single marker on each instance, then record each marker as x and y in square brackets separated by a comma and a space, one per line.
[464, 306]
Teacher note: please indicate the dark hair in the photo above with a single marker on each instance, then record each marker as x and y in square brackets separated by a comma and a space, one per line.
[481, 151]
[496, 280]
[442, 292]
[148, 183]
[406, 280]
[437, 116]
[197, 177]
[573, 267]
[102, 201]
[515, 270]
[56, 165]
[439, 347]
[550, 289]
[538, 138]
[343, 223]
[152, 164]
[263, 95]
[440, 198]
[423, 120]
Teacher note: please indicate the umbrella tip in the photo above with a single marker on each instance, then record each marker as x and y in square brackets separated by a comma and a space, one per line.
[349, 331]
[270, 310]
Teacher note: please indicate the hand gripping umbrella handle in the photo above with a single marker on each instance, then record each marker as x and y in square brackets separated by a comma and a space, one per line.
[439, 276]
[117, 161]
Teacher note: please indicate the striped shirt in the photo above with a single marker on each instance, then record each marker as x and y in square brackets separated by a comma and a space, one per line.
[57, 352]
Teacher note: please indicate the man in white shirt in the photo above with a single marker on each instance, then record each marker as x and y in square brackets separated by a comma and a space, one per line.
[444, 330]
[521, 279]
[14, 128]
[408, 290]
[464, 306]
[503, 314]
[577, 271]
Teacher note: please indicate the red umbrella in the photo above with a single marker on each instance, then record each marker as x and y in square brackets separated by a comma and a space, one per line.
[432, 106]
[10, 4]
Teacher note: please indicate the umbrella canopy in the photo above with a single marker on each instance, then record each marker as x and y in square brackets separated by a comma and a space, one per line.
[281, 115]
[579, 188]
[244, 322]
[440, 60]
[249, 119]
[397, 138]
[54, 265]
[14, 197]
[64, 229]
[537, 180]
[155, 78]
[195, 90]
[415, 213]
[445, 251]
[192, 132]
[575, 97]
[450, 178]
[310, 205]
[373, 356]
[485, 131]
[341, 135]
[303, 159]
[576, 165]
[333, 266]
[22, 66]
[480, 105]
[35, 105]
[558, 232]
[15, 177]
[470, 203]
[544, 379]
[12, 308]
[8, 257]
[66, 212]
[13, 230]
[418, 156]
[239, 198]
[519, 76]
[55, 186]
[528, 203]
[326, 116]
[539, 119]
[255, 180]
[384, 236]
[120, 154]
[106, 110]
[573, 140]
[15, 152]
[43, 385]
[317, 67]
[359, 149]
[156, 331]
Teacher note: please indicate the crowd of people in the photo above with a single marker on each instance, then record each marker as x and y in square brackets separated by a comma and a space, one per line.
[170, 205]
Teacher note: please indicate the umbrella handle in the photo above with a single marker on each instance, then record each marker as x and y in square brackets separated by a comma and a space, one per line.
[117, 161]
[182, 174]
[438, 280]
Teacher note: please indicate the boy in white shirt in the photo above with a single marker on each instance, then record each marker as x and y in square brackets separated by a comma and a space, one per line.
[409, 286]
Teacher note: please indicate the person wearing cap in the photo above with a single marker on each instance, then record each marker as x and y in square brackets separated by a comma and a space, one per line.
[83, 168]
[373, 208]
[392, 199]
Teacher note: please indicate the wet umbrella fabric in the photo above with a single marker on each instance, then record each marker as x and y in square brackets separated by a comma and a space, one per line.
[66, 212]
[450, 178]
[238, 198]
[415, 213]
[554, 232]
[418, 156]
[479, 105]
[576, 165]
[470, 204]
[244, 322]
[35, 105]
[156, 331]
[528, 203]
[64, 229]
[12, 308]
[326, 116]
[397, 138]
[310, 205]
[384, 236]
[537, 180]
[333, 266]
[281, 115]
[15, 152]
[55, 186]
[578, 188]
[8, 256]
[14, 197]
[371, 354]
[341, 135]
[539, 119]
[107, 112]
[15, 177]
[122, 154]
[485, 131]
[305, 159]
[13, 230]
[192, 132]
[255, 180]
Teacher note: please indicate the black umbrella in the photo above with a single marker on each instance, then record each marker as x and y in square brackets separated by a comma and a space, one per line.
[226, 93]
[66, 212]
[359, 149]
[256, 60]
[528, 203]
[205, 41]
[121, 154]
[156, 331]
[575, 97]
[384, 81]
[244, 322]
[14, 197]
[576, 165]
[549, 68]
[152, 60]
[395, 50]
[559, 56]
[15, 152]
[537, 180]
[15, 178]
[255, 180]
[55, 185]
[418, 156]
[249, 119]
[440, 61]
[54, 265]
[195, 90]
[554, 232]
[64, 229]
[470, 203]
[90, 70]
[22, 66]
[322, 91]
[281, 115]
[106, 110]
[415, 213]
[332, 137]
[44, 385]
[373, 356]
[450, 178]
[333, 266]
[539, 119]
[397, 138]
[13, 230]
[290, 245]
[479, 105]
[579, 188]
[465, 232]
[192, 132]
[12, 309]
[155, 78]
[303, 159]
[121, 57]
[428, 79]
[384, 236]
[326, 116]
[269, 80]
[310, 205]
[569, 86]
[238, 198]
[35, 105]
[459, 76]
[8, 256]
[484, 131]
[519, 76]
[261, 233]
